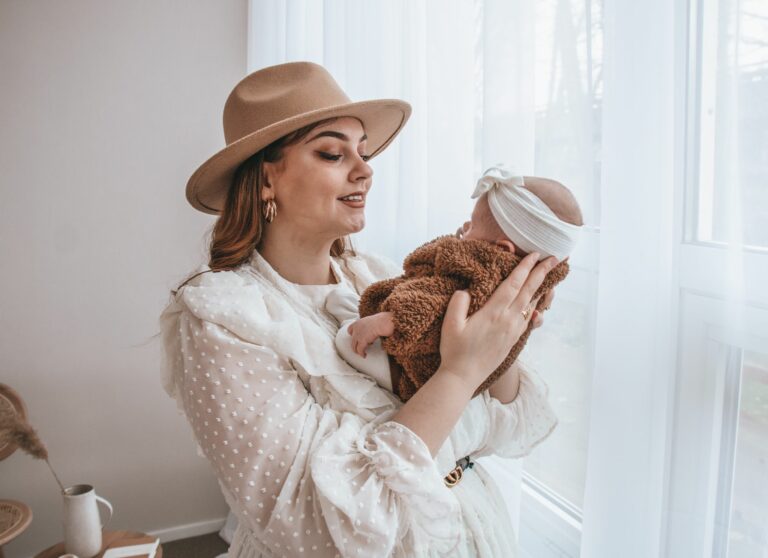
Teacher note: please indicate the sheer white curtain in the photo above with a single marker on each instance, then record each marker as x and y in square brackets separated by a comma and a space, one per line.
[450, 60]
[654, 115]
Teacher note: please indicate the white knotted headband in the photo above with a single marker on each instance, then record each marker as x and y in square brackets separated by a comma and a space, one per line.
[524, 218]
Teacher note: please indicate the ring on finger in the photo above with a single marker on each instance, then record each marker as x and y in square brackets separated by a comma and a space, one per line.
[524, 313]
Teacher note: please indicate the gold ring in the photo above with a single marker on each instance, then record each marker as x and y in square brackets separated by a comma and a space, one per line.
[524, 313]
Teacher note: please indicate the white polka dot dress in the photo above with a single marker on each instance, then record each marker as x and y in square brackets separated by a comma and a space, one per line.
[302, 444]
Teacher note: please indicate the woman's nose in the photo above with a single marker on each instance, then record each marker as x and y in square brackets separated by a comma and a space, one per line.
[363, 170]
[362, 177]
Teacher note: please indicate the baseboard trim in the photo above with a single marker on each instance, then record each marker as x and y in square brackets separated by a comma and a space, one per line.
[189, 530]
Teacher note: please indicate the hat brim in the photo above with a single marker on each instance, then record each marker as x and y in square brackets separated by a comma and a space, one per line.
[207, 187]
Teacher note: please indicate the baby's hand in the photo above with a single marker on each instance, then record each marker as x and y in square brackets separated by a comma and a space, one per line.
[366, 330]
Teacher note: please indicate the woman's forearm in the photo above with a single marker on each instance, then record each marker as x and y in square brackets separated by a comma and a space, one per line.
[506, 387]
[436, 407]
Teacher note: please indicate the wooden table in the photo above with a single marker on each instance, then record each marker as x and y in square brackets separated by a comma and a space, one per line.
[108, 537]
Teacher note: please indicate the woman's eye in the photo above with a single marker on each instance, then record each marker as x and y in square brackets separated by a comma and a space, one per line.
[332, 157]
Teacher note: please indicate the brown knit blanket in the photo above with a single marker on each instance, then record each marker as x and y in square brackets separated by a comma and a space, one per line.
[419, 298]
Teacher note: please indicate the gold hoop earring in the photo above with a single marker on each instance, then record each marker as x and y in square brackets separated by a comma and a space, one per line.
[270, 209]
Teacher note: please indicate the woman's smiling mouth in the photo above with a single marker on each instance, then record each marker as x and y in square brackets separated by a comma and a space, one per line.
[356, 200]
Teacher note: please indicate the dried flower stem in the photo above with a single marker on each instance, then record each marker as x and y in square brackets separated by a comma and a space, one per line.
[55, 475]
[14, 430]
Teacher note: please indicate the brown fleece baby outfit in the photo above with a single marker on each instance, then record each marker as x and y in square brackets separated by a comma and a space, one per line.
[418, 300]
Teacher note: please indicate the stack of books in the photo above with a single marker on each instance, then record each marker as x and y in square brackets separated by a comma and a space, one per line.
[142, 547]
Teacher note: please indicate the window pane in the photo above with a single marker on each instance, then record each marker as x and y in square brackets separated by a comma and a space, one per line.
[733, 122]
[568, 94]
[561, 352]
[748, 532]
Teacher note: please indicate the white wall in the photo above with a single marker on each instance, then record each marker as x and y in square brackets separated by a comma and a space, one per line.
[107, 108]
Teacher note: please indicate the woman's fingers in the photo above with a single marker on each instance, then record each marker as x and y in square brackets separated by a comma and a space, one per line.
[537, 320]
[518, 287]
[458, 306]
[548, 298]
[535, 315]
[531, 308]
[528, 311]
[532, 282]
[507, 290]
[538, 315]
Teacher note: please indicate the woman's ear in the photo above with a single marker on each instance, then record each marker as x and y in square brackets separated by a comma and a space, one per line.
[266, 192]
[267, 175]
[506, 244]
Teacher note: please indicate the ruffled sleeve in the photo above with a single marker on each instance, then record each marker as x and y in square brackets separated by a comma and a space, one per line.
[304, 477]
[405, 488]
[520, 425]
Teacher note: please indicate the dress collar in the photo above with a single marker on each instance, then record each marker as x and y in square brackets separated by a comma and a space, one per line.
[314, 294]
[346, 388]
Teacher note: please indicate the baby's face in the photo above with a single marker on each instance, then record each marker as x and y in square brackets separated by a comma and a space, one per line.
[482, 225]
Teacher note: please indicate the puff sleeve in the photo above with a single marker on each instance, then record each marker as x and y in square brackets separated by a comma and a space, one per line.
[307, 479]
[515, 428]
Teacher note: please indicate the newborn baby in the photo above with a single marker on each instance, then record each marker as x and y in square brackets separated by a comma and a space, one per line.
[392, 332]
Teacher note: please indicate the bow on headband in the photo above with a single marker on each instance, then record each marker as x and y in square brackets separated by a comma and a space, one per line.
[525, 219]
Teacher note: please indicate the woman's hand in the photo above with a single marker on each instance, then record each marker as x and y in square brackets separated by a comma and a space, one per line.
[538, 315]
[473, 347]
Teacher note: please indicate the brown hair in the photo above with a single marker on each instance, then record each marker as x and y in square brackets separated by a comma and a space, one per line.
[237, 231]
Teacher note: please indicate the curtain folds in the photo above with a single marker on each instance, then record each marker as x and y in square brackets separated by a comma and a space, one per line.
[649, 112]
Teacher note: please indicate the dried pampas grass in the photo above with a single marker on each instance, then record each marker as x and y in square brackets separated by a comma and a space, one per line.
[17, 431]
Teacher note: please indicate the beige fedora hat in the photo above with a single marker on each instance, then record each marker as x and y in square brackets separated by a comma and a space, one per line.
[275, 101]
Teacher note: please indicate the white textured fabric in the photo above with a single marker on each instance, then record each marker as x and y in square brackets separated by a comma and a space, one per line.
[302, 444]
[343, 305]
[525, 219]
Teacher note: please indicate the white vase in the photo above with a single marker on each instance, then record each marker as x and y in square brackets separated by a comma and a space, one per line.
[82, 524]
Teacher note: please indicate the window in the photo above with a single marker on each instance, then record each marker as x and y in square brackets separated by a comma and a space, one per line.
[719, 463]
[730, 118]
[743, 488]
[568, 99]
[568, 52]
[718, 466]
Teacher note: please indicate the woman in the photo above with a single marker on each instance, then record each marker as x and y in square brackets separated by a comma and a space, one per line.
[312, 456]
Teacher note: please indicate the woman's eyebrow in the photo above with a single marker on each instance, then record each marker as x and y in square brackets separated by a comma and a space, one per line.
[338, 135]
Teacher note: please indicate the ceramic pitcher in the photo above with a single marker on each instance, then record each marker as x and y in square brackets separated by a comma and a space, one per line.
[82, 524]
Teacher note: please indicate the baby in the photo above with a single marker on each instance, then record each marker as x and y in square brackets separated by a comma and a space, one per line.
[396, 342]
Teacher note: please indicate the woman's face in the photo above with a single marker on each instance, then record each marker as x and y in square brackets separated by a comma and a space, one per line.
[314, 174]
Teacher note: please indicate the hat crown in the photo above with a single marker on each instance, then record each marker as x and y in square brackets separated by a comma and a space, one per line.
[277, 93]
